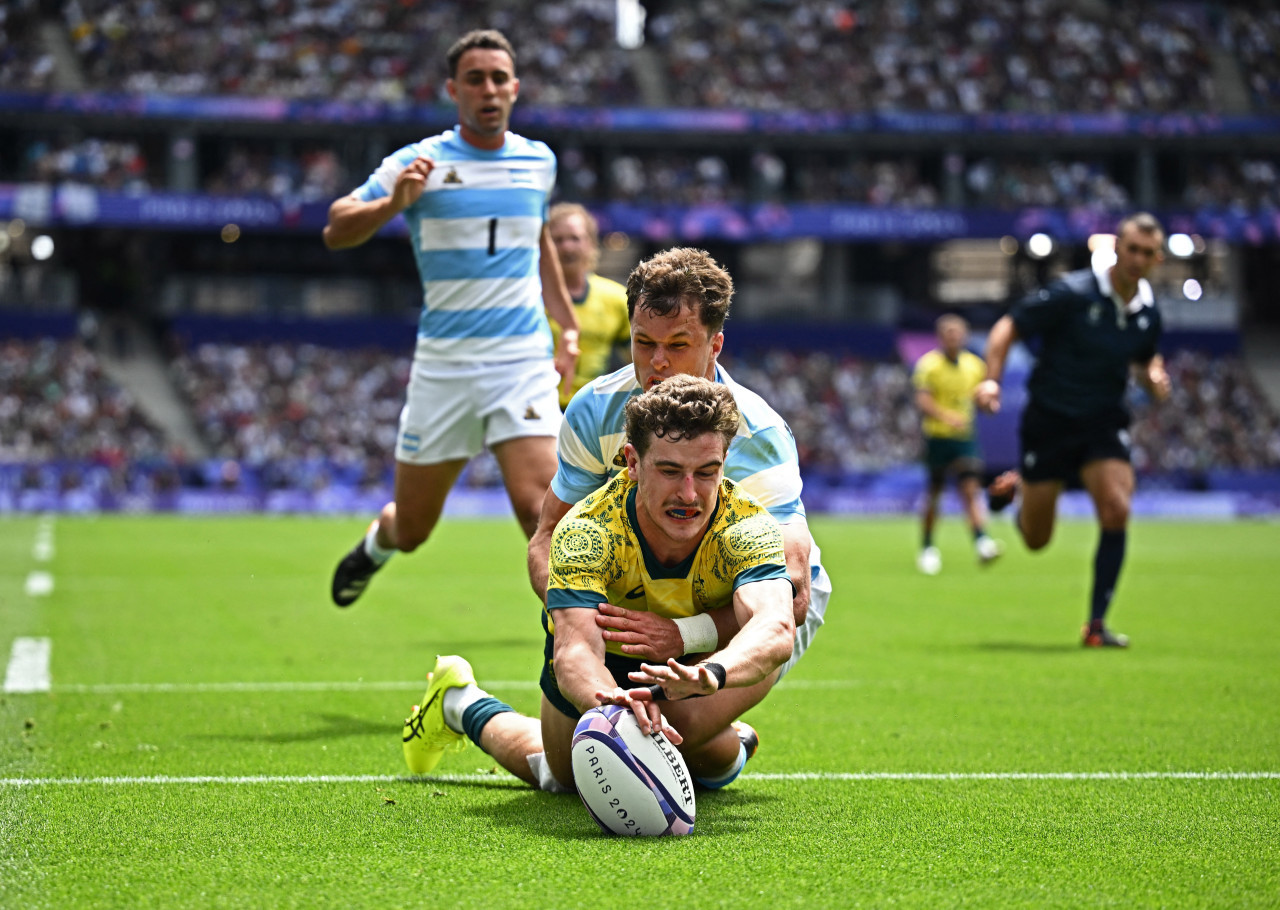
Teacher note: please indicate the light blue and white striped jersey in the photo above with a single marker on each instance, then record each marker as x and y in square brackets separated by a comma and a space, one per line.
[762, 458]
[475, 233]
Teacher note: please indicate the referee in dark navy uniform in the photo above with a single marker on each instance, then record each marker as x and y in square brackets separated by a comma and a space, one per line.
[1094, 328]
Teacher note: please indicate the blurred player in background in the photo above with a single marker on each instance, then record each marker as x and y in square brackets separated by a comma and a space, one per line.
[678, 301]
[945, 379]
[1095, 327]
[671, 535]
[601, 304]
[475, 201]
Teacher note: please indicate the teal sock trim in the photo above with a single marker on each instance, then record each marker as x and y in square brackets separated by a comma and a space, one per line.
[479, 713]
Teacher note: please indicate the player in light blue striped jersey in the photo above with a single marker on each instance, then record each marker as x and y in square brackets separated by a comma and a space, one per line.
[475, 200]
[678, 301]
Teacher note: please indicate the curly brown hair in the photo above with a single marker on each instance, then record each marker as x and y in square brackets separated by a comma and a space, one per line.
[489, 39]
[682, 407]
[678, 277]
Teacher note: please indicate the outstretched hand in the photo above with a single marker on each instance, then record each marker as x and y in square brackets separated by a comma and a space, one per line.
[640, 633]
[676, 680]
[647, 714]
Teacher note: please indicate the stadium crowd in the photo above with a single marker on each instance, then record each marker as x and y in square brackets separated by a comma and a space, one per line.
[110, 164]
[57, 403]
[295, 413]
[971, 56]
[313, 173]
[334, 50]
[298, 415]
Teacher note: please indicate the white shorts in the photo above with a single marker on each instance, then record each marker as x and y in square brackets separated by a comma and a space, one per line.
[819, 595]
[453, 410]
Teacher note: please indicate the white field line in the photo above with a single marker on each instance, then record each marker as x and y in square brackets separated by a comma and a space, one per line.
[42, 548]
[39, 583]
[345, 686]
[799, 777]
[28, 669]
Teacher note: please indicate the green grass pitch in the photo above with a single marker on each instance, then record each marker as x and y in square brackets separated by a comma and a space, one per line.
[217, 734]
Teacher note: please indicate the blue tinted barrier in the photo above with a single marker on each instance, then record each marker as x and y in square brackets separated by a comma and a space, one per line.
[83, 206]
[431, 118]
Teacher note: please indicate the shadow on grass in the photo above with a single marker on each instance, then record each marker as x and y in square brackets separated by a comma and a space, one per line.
[562, 816]
[336, 726]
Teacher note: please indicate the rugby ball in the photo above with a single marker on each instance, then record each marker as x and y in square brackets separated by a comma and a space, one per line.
[632, 784]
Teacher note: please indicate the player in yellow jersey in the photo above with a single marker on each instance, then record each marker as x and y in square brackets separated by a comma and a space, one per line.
[601, 304]
[945, 379]
[672, 535]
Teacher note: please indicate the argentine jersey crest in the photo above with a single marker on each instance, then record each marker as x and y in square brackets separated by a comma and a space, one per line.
[476, 234]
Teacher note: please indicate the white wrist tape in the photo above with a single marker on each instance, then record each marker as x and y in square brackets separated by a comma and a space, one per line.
[698, 633]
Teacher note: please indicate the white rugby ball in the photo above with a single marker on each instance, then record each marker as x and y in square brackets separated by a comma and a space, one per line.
[631, 784]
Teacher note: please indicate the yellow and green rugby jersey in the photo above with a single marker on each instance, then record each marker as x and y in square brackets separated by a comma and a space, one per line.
[598, 556]
[951, 383]
[602, 326]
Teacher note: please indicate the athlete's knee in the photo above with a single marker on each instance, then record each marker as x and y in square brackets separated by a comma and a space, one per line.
[1113, 513]
[528, 519]
[410, 536]
[1036, 537]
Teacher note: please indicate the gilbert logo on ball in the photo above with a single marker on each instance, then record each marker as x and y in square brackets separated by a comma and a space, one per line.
[632, 784]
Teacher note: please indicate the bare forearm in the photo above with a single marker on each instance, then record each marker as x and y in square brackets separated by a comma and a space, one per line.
[555, 293]
[580, 669]
[797, 544]
[352, 222]
[539, 552]
[1001, 338]
[767, 636]
[539, 556]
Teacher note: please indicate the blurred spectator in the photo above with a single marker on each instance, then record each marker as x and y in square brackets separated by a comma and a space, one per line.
[336, 50]
[109, 164]
[1012, 184]
[24, 62]
[306, 174]
[56, 403]
[286, 403]
[969, 56]
[1253, 37]
[1216, 418]
[1244, 185]
[847, 414]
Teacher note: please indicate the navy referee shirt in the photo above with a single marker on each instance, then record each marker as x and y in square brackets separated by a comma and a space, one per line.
[1085, 341]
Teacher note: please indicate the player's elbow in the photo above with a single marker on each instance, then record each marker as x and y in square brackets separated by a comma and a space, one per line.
[335, 239]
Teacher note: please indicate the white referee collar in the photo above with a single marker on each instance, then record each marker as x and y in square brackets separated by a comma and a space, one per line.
[1143, 297]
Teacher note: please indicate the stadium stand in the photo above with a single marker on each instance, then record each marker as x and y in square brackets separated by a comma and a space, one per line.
[56, 402]
[856, 165]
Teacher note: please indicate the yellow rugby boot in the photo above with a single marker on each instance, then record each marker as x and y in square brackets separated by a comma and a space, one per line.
[426, 735]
